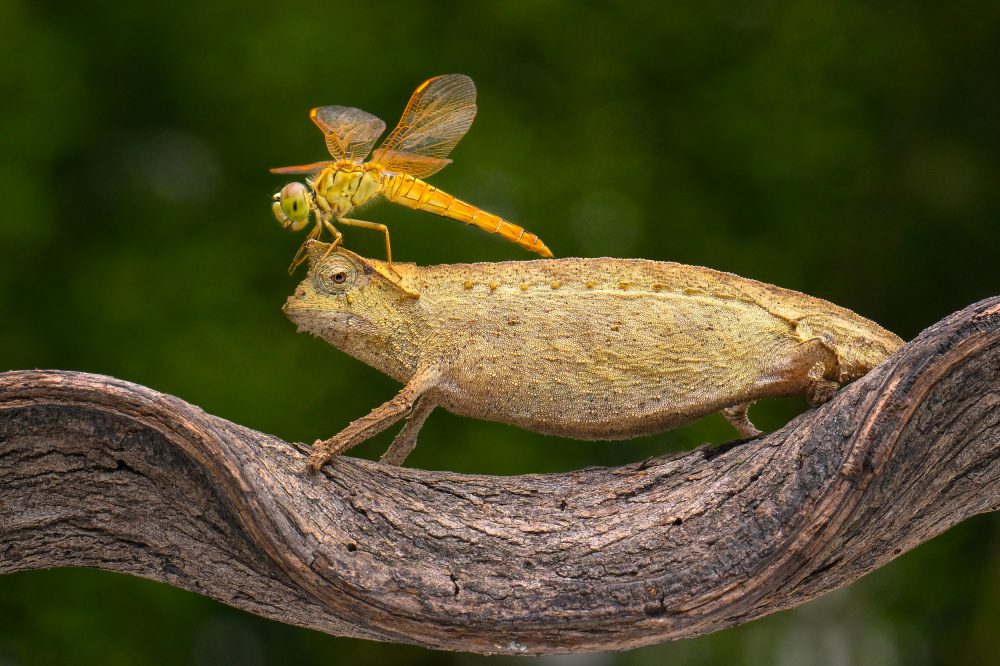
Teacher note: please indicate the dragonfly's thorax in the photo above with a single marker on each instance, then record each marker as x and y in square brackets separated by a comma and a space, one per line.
[344, 186]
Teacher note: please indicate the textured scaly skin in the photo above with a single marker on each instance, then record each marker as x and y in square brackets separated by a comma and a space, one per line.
[582, 348]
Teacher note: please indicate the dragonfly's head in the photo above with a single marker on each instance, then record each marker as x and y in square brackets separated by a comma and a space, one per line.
[291, 206]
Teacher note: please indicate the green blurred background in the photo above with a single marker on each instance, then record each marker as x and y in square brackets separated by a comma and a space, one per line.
[844, 149]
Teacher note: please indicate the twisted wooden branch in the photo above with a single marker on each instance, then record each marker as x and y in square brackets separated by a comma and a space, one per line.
[102, 473]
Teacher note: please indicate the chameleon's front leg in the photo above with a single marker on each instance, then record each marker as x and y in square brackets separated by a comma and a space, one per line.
[406, 440]
[367, 426]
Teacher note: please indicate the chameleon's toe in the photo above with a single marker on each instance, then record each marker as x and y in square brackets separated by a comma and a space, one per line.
[319, 457]
[737, 415]
[822, 392]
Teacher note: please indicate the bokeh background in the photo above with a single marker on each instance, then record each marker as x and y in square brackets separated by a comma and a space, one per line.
[845, 149]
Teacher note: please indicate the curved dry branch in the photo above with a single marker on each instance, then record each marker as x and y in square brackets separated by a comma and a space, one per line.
[102, 473]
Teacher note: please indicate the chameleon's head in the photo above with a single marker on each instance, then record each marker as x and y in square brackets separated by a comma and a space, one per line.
[291, 206]
[347, 295]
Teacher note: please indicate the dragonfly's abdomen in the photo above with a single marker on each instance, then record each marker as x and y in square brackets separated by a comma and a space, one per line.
[415, 193]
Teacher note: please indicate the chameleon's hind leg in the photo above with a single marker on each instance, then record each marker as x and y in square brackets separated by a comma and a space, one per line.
[377, 227]
[809, 368]
[820, 390]
[737, 415]
[406, 440]
[823, 366]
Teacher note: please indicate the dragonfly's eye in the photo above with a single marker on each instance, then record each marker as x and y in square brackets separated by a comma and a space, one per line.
[294, 203]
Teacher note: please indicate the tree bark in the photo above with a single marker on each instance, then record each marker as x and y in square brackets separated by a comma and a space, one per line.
[98, 472]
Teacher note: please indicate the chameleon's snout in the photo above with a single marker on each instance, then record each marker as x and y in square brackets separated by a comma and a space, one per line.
[294, 301]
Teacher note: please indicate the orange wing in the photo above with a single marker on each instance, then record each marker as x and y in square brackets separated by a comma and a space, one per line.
[305, 168]
[350, 133]
[436, 118]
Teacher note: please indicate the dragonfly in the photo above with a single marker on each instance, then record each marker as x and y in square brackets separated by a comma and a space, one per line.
[437, 116]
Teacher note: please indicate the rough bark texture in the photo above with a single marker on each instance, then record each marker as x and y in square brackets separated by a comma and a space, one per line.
[101, 473]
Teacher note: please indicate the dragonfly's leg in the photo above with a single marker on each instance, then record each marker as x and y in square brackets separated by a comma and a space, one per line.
[377, 227]
[338, 240]
[301, 255]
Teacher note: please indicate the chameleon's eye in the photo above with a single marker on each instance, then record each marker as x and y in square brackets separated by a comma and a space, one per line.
[336, 275]
[294, 200]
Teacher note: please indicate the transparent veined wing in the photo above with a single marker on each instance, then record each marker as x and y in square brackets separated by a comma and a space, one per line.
[315, 167]
[418, 166]
[350, 133]
[436, 118]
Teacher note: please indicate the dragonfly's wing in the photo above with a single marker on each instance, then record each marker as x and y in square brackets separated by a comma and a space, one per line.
[418, 166]
[350, 133]
[305, 168]
[437, 117]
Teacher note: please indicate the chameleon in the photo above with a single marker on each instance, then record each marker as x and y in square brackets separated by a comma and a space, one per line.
[597, 349]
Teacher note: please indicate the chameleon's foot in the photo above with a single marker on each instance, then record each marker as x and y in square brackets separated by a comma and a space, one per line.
[322, 453]
[820, 390]
[737, 415]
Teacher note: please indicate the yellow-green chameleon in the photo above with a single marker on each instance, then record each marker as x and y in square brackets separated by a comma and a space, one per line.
[582, 348]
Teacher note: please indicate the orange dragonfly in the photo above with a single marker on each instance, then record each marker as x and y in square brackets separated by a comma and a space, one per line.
[436, 118]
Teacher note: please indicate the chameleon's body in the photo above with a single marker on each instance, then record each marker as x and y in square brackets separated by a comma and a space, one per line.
[583, 348]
